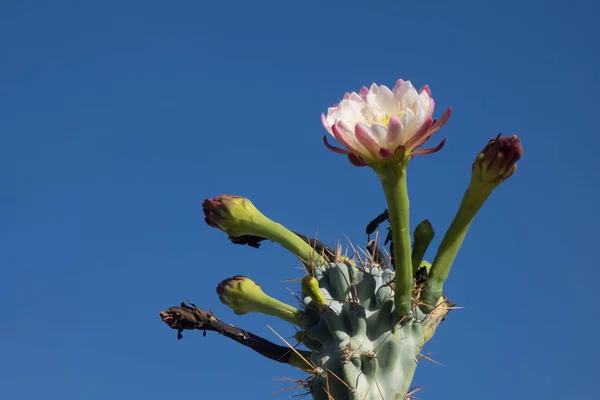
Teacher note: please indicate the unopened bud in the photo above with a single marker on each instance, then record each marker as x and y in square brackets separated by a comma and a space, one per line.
[310, 286]
[498, 159]
[244, 296]
[234, 215]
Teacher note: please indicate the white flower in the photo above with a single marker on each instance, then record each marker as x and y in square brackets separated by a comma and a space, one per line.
[379, 124]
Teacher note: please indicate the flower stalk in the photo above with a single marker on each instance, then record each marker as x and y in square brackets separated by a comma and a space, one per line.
[238, 217]
[493, 165]
[472, 201]
[393, 181]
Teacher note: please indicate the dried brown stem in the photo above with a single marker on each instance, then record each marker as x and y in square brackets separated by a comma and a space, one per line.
[190, 317]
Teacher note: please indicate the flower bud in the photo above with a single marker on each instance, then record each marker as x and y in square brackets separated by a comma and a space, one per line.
[310, 286]
[424, 234]
[497, 161]
[244, 296]
[234, 215]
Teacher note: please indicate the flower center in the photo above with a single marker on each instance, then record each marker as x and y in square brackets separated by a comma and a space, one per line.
[385, 119]
[373, 117]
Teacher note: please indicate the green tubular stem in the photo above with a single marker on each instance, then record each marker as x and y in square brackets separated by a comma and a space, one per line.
[393, 180]
[270, 306]
[289, 240]
[472, 201]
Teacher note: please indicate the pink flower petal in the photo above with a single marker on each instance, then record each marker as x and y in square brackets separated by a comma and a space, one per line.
[385, 153]
[333, 148]
[443, 119]
[399, 83]
[363, 93]
[426, 89]
[420, 136]
[342, 136]
[394, 130]
[429, 151]
[325, 123]
[364, 138]
[431, 107]
[356, 160]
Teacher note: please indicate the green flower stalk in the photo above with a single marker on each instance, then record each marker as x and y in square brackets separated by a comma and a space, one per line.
[244, 296]
[238, 217]
[393, 181]
[494, 164]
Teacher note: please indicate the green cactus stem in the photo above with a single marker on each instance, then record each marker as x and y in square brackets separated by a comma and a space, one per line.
[472, 201]
[279, 234]
[424, 234]
[393, 180]
[493, 165]
[244, 296]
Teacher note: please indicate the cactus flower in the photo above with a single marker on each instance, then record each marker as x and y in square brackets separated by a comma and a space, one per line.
[381, 125]
[497, 161]
[244, 296]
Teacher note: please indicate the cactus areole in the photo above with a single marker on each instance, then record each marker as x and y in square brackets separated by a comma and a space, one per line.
[361, 321]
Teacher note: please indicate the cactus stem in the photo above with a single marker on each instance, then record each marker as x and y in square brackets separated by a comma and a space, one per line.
[290, 241]
[393, 180]
[474, 198]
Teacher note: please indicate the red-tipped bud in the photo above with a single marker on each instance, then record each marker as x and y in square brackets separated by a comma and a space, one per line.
[234, 215]
[498, 159]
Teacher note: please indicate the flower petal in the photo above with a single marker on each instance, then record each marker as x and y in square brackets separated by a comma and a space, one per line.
[394, 130]
[385, 153]
[443, 119]
[356, 160]
[409, 128]
[421, 135]
[343, 136]
[363, 93]
[364, 138]
[326, 123]
[385, 100]
[406, 94]
[429, 151]
[379, 134]
[399, 83]
[333, 148]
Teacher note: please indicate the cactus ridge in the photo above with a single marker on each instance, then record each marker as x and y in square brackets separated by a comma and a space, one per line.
[358, 337]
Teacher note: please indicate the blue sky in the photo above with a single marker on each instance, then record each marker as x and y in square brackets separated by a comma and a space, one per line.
[118, 118]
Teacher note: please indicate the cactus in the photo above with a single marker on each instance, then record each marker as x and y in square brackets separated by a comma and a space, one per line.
[362, 320]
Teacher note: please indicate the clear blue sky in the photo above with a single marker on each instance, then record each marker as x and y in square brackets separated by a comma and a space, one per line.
[118, 118]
